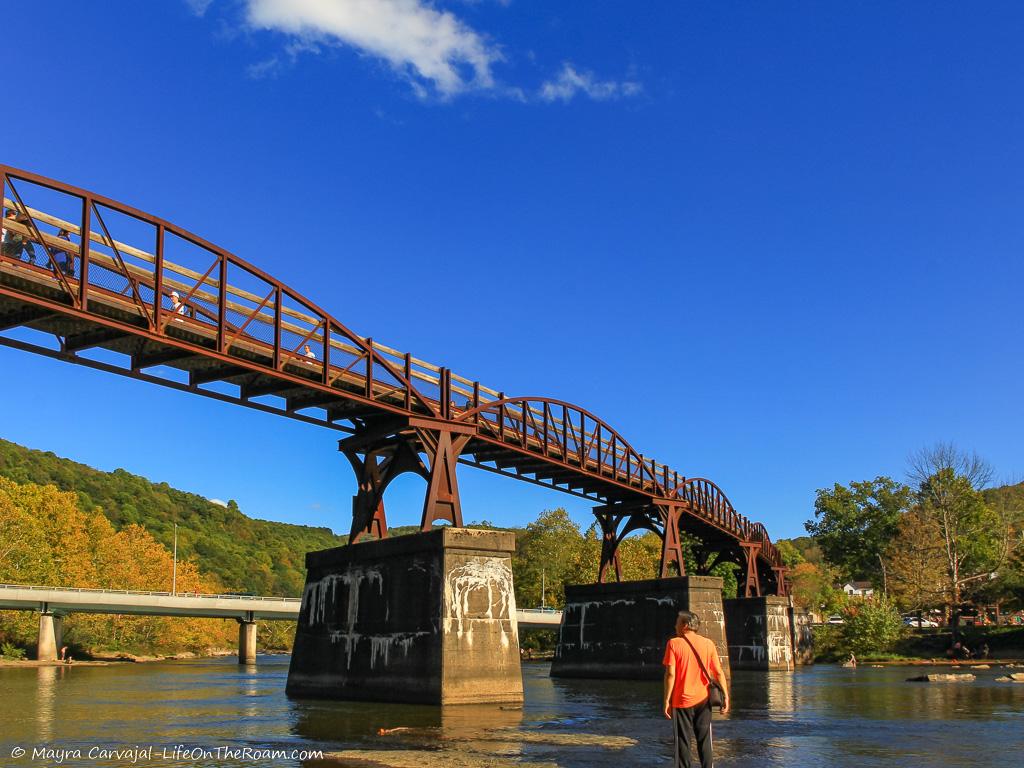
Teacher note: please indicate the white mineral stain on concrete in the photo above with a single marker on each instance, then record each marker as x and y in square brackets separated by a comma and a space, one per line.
[316, 594]
[582, 608]
[484, 575]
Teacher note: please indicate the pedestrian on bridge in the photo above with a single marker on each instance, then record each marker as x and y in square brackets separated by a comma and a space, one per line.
[14, 243]
[692, 671]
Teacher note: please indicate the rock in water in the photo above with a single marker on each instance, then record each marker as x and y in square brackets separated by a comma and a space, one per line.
[954, 678]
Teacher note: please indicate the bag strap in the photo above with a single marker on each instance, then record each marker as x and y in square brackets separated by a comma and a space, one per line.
[699, 662]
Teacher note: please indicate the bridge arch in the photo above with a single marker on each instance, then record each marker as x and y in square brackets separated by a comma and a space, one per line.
[556, 429]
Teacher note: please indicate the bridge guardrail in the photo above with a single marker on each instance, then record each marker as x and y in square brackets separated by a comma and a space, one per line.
[98, 591]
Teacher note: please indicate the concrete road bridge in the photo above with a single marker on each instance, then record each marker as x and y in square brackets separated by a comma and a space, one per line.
[55, 603]
[85, 272]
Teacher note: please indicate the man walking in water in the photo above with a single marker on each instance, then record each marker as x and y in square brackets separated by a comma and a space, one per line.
[689, 658]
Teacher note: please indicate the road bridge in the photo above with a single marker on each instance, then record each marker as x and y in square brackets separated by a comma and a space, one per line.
[54, 603]
[90, 273]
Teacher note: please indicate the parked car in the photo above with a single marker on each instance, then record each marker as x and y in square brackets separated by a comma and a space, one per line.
[835, 619]
[913, 621]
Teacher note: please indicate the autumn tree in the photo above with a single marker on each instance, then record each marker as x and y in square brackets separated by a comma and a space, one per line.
[916, 562]
[48, 541]
[975, 538]
[813, 588]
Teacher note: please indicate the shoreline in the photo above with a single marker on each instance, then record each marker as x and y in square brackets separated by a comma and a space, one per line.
[1009, 663]
[101, 659]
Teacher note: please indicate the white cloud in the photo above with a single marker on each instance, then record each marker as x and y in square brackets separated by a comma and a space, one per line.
[218, 502]
[428, 46]
[571, 82]
[261, 69]
[199, 6]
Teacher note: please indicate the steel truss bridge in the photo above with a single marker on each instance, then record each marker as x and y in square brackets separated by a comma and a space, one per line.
[187, 314]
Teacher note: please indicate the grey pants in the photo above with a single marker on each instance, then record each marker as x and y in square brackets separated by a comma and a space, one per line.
[691, 723]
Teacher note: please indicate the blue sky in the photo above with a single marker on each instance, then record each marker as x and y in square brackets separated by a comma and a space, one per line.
[777, 245]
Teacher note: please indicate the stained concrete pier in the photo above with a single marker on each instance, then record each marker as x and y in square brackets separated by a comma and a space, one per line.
[803, 636]
[246, 641]
[759, 632]
[619, 630]
[427, 618]
[50, 638]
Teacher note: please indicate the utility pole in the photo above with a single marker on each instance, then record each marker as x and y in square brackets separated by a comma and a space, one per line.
[543, 588]
[174, 577]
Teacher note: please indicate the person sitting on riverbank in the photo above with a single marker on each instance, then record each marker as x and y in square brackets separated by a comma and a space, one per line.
[959, 651]
[688, 660]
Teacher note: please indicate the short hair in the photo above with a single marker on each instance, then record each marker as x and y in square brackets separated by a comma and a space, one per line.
[689, 619]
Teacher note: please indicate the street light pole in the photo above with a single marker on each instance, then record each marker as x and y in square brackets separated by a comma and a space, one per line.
[543, 587]
[174, 577]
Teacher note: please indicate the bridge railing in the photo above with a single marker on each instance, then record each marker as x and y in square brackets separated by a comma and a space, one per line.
[171, 284]
[88, 590]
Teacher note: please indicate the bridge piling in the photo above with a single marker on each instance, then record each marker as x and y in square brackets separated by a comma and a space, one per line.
[619, 630]
[51, 635]
[247, 640]
[426, 618]
[760, 633]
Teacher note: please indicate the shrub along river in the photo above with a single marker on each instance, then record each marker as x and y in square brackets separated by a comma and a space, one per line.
[188, 712]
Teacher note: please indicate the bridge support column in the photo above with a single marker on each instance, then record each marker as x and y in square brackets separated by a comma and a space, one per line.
[247, 640]
[619, 630]
[760, 633]
[425, 618]
[381, 453]
[51, 636]
[752, 579]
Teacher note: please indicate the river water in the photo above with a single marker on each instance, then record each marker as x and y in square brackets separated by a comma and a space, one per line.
[818, 716]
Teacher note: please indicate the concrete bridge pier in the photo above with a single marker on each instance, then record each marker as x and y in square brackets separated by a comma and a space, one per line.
[760, 633]
[51, 635]
[247, 639]
[426, 618]
[619, 630]
[803, 636]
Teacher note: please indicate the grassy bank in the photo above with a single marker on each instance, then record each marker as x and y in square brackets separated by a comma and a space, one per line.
[922, 644]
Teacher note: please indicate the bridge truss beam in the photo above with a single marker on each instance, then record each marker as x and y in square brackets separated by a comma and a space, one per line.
[172, 300]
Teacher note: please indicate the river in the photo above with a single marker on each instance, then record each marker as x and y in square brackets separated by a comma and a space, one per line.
[818, 716]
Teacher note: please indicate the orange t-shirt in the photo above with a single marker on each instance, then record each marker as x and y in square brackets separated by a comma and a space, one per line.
[691, 686]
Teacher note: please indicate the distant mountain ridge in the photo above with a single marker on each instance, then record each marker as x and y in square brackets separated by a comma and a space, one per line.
[247, 555]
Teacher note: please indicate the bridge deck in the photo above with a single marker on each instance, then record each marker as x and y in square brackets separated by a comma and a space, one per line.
[65, 601]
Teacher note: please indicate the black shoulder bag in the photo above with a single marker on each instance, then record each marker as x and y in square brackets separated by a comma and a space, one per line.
[716, 694]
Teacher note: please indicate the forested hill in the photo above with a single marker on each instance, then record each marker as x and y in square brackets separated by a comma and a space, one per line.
[246, 555]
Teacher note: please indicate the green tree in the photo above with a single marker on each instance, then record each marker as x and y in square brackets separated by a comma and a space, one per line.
[853, 524]
[871, 626]
[789, 552]
[551, 553]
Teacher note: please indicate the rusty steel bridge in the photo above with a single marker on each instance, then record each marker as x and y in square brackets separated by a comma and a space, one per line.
[95, 273]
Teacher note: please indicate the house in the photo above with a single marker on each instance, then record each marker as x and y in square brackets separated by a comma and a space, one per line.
[859, 589]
